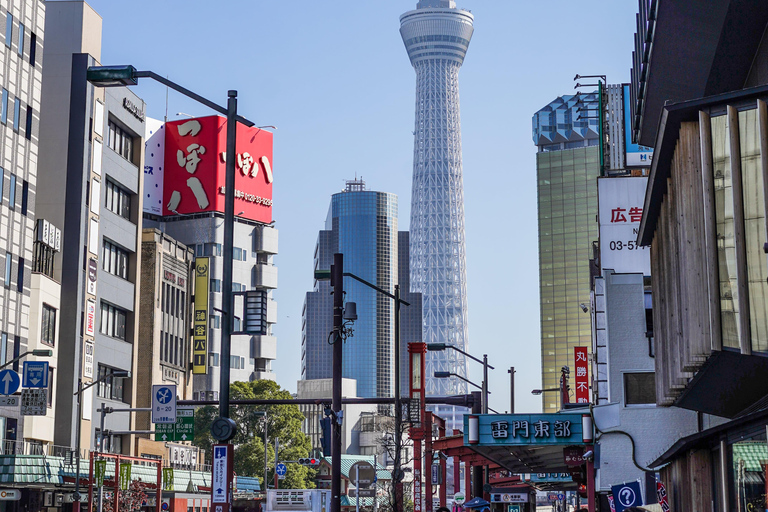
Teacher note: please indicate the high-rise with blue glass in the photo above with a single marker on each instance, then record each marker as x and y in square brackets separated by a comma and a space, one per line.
[362, 225]
[436, 35]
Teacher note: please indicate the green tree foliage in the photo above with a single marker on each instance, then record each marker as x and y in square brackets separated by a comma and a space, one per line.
[281, 421]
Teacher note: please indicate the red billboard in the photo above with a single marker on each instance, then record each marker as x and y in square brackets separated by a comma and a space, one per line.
[582, 375]
[194, 175]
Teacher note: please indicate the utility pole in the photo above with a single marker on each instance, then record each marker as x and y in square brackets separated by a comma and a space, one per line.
[511, 372]
[337, 282]
[277, 477]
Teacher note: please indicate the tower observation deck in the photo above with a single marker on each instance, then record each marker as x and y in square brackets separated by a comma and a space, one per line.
[436, 35]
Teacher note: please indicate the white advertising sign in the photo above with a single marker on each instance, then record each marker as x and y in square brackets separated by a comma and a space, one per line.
[152, 201]
[620, 206]
[95, 196]
[93, 237]
[90, 317]
[98, 150]
[88, 360]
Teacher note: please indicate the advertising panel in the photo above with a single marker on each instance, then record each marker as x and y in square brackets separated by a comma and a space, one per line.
[154, 153]
[637, 156]
[200, 329]
[526, 429]
[582, 375]
[194, 173]
[620, 210]
[90, 317]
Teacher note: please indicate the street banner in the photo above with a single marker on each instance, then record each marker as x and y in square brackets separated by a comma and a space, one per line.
[200, 329]
[582, 375]
[167, 479]
[100, 469]
[627, 495]
[661, 494]
[125, 475]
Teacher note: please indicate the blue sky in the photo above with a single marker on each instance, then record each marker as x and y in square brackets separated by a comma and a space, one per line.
[335, 79]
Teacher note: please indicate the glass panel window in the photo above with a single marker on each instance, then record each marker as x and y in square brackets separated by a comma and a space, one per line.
[48, 326]
[754, 228]
[109, 387]
[8, 29]
[726, 248]
[16, 114]
[118, 200]
[12, 192]
[8, 268]
[216, 285]
[112, 321]
[120, 141]
[114, 259]
[4, 107]
[640, 388]
[20, 49]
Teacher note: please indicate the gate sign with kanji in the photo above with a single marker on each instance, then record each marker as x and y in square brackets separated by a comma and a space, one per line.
[526, 429]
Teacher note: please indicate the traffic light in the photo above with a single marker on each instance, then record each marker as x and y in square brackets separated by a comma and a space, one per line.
[309, 461]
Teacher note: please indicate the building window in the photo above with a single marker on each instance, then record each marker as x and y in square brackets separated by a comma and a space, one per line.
[120, 141]
[20, 49]
[16, 113]
[118, 200]
[48, 327]
[212, 249]
[640, 388]
[3, 347]
[24, 196]
[214, 359]
[32, 48]
[109, 387]
[50, 387]
[8, 268]
[20, 277]
[239, 254]
[216, 285]
[12, 192]
[114, 259]
[4, 107]
[112, 321]
[28, 126]
[8, 29]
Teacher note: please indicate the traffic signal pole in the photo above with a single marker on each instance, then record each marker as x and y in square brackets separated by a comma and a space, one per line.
[337, 282]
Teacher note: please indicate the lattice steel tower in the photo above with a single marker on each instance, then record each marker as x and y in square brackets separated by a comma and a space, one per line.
[437, 36]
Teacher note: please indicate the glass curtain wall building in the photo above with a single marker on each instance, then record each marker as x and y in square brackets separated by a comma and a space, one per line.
[362, 225]
[436, 35]
[567, 167]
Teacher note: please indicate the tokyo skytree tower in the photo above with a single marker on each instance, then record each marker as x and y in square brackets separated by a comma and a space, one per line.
[436, 36]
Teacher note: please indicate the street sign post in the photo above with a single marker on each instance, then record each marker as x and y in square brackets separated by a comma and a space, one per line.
[363, 493]
[10, 382]
[281, 469]
[34, 402]
[35, 374]
[221, 482]
[362, 474]
[459, 498]
[164, 403]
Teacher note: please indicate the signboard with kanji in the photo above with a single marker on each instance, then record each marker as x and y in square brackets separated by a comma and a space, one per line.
[100, 469]
[620, 209]
[526, 429]
[34, 402]
[200, 328]
[125, 475]
[182, 430]
[581, 379]
[167, 479]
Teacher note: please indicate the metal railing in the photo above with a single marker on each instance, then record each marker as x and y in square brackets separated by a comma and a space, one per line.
[35, 447]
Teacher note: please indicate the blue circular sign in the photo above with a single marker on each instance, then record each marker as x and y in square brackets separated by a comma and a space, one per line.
[9, 382]
[281, 469]
[164, 395]
[627, 496]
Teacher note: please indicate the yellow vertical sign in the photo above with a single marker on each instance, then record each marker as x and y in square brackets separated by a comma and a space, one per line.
[200, 328]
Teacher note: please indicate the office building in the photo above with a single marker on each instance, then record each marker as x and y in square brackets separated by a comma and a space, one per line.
[436, 35]
[27, 291]
[165, 343]
[190, 210]
[567, 167]
[91, 156]
[362, 225]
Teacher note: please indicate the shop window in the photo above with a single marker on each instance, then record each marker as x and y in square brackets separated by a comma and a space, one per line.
[640, 388]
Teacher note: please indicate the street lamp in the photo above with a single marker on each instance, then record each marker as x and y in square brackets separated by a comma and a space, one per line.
[448, 375]
[40, 352]
[563, 389]
[435, 347]
[117, 374]
[223, 428]
[336, 275]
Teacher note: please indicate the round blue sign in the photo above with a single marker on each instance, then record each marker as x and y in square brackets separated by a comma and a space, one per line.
[164, 395]
[281, 469]
[9, 382]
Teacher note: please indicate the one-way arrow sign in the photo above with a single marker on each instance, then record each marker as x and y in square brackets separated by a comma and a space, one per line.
[9, 382]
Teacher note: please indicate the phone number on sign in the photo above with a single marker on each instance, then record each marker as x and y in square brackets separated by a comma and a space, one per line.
[618, 245]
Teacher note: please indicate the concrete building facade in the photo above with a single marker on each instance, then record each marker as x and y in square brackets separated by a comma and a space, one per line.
[91, 156]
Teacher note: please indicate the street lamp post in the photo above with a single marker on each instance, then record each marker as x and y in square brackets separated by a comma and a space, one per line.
[118, 374]
[336, 275]
[435, 347]
[223, 428]
[42, 352]
[563, 389]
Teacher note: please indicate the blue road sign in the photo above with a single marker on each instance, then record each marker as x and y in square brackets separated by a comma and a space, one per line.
[281, 469]
[9, 382]
[561, 496]
[35, 374]
[626, 495]
[164, 395]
